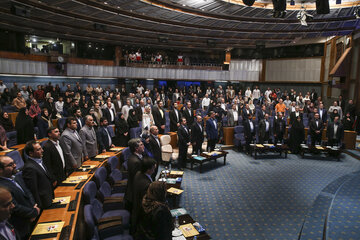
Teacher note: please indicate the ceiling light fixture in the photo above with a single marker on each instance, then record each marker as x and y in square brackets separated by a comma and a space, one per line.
[303, 16]
[357, 12]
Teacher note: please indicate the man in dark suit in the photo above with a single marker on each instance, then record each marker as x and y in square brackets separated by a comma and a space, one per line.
[249, 131]
[139, 110]
[79, 119]
[183, 143]
[313, 95]
[335, 132]
[134, 165]
[155, 146]
[211, 132]
[322, 113]
[246, 111]
[103, 136]
[260, 114]
[264, 129]
[117, 103]
[7, 231]
[295, 114]
[197, 135]
[279, 128]
[54, 156]
[341, 103]
[142, 180]
[316, 127]
[195, 103]
[37, 177]
[109, 113]
[188, 113]
[25, 209]
[159, 117]
[175, 117]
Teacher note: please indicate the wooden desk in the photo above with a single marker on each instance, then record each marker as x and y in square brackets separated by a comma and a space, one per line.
[173, 141]
[350, 139]
[20, 147]
[229, 135]
[77, 229]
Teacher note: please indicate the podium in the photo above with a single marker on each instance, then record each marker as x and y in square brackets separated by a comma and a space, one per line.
[228, 135]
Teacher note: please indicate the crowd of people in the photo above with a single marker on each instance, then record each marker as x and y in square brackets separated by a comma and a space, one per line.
[89, 111]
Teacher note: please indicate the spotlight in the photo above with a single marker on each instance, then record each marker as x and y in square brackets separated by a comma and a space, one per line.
[357, 12]
[303, 17]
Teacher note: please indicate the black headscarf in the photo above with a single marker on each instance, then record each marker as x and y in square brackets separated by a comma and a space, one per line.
[6, 123]
[155, 196]
[132, 119]
[24, 127]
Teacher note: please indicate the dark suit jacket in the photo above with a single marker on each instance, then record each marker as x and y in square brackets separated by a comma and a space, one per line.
[78, 125]
[24, 206]
[195, 103]
[116, 105]
[245, 114]
[339, 133]
[279, 126]
[103, 139]
[107, 115]
[262, 128]
[134, 165]
[39, 182]
[293, 117]
[157, 117]
[183, 136]
[189, 117]
[53, 162]
[324, 115]
[155, 149]
[174, 120]
[139, 113]
[211, 130]
[313, 127]
[197, 134]
[141, 184]
[259, 114]
[247, 130]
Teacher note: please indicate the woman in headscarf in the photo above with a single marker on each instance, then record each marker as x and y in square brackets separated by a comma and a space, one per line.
[50, 106]
[3, 139]
[6, 122]
[132, 119]
[297, 135]
[6, 96]
[43, 123]
[121, 130]
[155, 221]
[24, 126]
[145, 138]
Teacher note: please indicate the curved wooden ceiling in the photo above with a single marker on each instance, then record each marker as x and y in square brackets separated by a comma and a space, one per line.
[191, 25]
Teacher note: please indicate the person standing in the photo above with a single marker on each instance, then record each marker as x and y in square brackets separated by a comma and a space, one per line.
[88, 137]
[188, 113]
[297, 135]
[54, 159]
[279, 128]
[7, 231]
[159, 117]
[175, 117]
[155, 146]
[316, 127]
[103, 136]
[264, 129]
[72, 145]
[335, 132]
[211, 132]
[197, 135]
[183, 143]
[37, 177]
[25, 209]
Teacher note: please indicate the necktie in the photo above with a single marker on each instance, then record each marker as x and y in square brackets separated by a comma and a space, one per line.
[16, 184]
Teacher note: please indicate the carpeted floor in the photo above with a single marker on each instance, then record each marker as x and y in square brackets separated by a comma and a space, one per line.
[258, 199]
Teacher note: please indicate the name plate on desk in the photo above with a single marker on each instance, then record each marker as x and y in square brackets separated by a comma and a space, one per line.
[178, 212]
[175, 191]
[75, 179]
[87, 167]
[188, 230]
[177, 173]
[62, 200]
[116, 149]
[102, 156]
[7, 151]
[45, 228]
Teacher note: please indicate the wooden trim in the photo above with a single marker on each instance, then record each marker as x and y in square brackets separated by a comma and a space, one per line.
[293, 58]
[21, 56]
[263, 71]
[91, 61]
[340, 61]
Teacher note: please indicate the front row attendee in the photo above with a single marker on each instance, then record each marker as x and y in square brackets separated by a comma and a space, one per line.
[335, 132]
[155, 146]
[316, 127]
[135, 162]
[7, 231]
[183, 143]
[72, 145]
[103, 136]
[279, 128]
[54, 156]
[24, 127]
[155, 221]
[88, 137]
[142, 180]
[25, 209]
[197, 135]
[37, 177]
[249, 131]
[211, 132]
[264, 129]
[297, 135]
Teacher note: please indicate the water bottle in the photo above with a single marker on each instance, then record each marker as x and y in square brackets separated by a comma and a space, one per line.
[177, 225]
[195, 238]
[170, 167]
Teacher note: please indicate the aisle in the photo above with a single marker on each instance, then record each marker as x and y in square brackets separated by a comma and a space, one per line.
[258, 199]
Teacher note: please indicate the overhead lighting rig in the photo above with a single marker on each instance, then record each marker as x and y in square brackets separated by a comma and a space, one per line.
[303, 16]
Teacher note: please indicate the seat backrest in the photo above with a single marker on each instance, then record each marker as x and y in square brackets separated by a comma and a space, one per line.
[89, 220]
[165, 139]
[97, 210]
[110, 129]
[15, 155]
[12, 138]
[239, 129]
[126, 154]
[43, 143]
[89, 192]
[100, 176]
[113, 161]
[61, 123]
[105, 190]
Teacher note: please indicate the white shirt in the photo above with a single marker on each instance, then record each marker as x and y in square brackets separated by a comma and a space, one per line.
[108, 134]
[236, 116]
[248, 93]
[335, 130]
[60, 151]
[251, 126]
[267, 125]
[2, 88]
[205, 102]
[256, 93]
[59, 106]
[267, 93]
[111, 114]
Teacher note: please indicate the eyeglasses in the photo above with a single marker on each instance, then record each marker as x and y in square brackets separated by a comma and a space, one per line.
[10, 165]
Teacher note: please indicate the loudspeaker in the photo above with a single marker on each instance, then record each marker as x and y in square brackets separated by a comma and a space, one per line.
[322, 7]
[99, 27]
[163, 39]
[20, 11]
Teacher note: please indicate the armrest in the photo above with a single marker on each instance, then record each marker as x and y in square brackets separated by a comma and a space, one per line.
[121, 182]
[110, 229]
[113, 204]
[113, 199]
[110, 219]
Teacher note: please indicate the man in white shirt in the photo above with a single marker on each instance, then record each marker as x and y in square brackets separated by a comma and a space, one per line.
[2, 86]
[267, 93]
[205, 102]
[256, 93]
[287, 102]
[59, 106]
[126, 108]
[248, 92]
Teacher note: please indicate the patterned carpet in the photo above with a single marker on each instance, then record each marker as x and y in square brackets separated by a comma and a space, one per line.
[258, 199]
